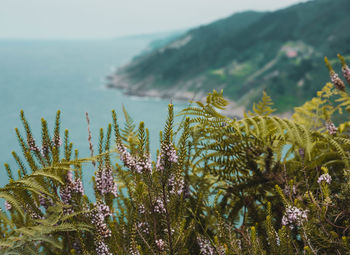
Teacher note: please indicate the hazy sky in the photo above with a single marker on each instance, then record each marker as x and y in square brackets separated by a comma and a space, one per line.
[110, 18]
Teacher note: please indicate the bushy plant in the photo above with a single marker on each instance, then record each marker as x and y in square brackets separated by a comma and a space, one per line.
[258, 185]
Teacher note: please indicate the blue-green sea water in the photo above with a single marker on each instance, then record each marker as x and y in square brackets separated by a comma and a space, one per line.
[41, 77]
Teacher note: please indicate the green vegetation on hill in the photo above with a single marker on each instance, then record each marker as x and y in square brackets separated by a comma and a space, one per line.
[249, 52]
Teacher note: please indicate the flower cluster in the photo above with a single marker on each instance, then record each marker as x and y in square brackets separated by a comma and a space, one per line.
[176, 185]
[34, 212]
[45, 149]
[172, 231]
[36, 216]
[98, 215]
[71, 187]
[205, 246]
[140, 165]
[346, 73]
[144, 165]
[159, 206]
[133, 251]
[143, 227]
[78, 186]
[160, 244]
[289, 191]
[66, 196]
[278, 241]
[142, 209]
[331, 128]
[102, 248]
[128, 160]
[105, 182]
[325, 178]
[8, 206]
[31, 144]
[301, 153]
[294, 216]
[337, 82]
[166, 155]
[56, 141]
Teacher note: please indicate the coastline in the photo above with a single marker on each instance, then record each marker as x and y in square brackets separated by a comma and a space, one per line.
[123, 83]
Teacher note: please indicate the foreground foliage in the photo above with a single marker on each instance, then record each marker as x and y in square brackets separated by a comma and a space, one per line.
[259, 185]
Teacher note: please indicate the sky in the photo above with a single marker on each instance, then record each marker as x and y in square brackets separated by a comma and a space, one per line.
[98, 19]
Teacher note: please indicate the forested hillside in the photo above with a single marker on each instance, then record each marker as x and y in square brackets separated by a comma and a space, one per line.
[246, 53]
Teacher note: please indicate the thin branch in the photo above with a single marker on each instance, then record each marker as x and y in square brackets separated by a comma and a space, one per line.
[89, 139]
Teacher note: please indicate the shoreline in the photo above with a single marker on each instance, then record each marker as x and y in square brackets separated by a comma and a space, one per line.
[121, 82]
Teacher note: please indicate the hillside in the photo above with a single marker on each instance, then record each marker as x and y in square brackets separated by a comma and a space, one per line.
[280, 52]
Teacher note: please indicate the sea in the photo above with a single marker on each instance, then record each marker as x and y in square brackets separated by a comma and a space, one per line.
[42, 77]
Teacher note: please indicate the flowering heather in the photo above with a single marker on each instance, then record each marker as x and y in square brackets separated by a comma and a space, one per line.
[294, 216]
[133, 251]
[102, 248]
[45, 150]
[346, 73]
[166, 155]
[56, 141]
[176, 185]
[337, 82]
[141, 209]
[325, 178]
[331, 128]
[159, 206]
[98, 216]
[160, 244]
[290, 191]
[143, 227]
[144, 165]
[31, 144]
[301, 153]
[66, 196]
[105, 182]
[36, 216]
[103, 209]
[71, 187]
[205, 246]
[78, 187]
[45, 202]
[128, 160]
[345, 68]
[8, 206]
[278, 240]
[139, 165]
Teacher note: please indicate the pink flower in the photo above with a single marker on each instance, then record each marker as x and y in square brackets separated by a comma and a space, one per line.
[98, 216]
[294, 216]
[8, 206]
[325, 178]
[102, 248]
[331, 128]
[337, 82]
[71, 187]
[205, 246]
[159, 206]
[160, 244]
[31, 144]
[176, 185]
[346, 73]
[105, 182]
[166, 156]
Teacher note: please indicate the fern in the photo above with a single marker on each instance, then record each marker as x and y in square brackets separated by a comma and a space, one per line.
[263, 108]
